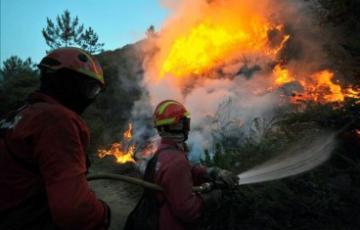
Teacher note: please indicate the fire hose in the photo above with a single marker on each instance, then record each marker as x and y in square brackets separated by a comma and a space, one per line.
[302, 157]
[137, 181]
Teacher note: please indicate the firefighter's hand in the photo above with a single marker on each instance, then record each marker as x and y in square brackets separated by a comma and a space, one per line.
[212, 199]
[222, 175]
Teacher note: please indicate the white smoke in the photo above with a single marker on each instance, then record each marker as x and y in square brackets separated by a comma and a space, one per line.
[242, 84]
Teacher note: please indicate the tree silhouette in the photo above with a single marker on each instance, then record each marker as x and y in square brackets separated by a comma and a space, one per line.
[15, 66]
[19, 79]
[89, 41]
[66, 32]
[69, 32]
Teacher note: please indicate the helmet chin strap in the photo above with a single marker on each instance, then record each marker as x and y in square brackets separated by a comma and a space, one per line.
[178, 137]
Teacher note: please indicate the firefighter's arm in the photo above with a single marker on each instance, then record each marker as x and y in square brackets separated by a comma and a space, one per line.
[177, 183]
[62, 164]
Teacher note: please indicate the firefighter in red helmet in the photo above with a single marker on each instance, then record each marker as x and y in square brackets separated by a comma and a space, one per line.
[178, 207]
[43, 162]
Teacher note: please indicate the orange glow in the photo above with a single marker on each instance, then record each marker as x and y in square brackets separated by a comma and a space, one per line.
[206, 44]
[223, 31]
[357, 132]
[117, 150]
[353, 93]
[128, 133]
[205, 37]
[323, 89]
[320, 87]
[282, 75]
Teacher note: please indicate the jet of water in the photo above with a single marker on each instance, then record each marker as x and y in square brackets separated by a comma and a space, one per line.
[301, 157]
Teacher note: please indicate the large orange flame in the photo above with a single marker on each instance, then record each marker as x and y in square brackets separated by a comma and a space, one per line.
[207, 44]
[207, 35]
[117, 150]
[324, 88]
[319, 87]
[222, 31]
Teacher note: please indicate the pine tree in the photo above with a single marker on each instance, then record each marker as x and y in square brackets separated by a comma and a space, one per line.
[15, 66]
[89, 41]
[69, 32]
[66, 32]
[150, 32]
[20, 78]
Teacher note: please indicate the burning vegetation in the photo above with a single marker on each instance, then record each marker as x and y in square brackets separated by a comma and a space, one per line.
[199, 43]
[123, 151]
[244, 50]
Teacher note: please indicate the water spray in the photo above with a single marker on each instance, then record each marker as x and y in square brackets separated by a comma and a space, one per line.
[301, 157]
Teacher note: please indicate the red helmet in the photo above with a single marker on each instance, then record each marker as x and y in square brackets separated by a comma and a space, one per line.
[169, 112]
[74, 59]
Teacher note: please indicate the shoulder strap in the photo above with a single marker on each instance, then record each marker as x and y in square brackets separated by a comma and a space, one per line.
[151, 166]
[150, 172]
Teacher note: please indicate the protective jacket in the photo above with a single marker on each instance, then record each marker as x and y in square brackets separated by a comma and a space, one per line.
[180, 208]
[43, 170]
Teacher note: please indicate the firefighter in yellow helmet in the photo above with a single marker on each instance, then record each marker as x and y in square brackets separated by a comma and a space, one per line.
[179, 208]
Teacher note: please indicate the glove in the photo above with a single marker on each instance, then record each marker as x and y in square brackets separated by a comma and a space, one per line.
[212, 199]
[227, 177]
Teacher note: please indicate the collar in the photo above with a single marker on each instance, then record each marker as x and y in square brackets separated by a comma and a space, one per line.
[166, 142]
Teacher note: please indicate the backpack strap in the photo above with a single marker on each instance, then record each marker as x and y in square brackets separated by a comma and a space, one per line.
[149, 175]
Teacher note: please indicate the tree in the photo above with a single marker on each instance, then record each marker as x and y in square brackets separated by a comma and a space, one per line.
[150, 32]
[89, 41]
[66, 32]
[69, 32]
[15, 66]
[20, 78]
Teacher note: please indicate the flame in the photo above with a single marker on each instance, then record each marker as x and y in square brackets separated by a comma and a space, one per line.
[282, 75]
[353, 93]
[222, 32]
[319, 87]
[128, 133]
[117, 150]
[206, 36]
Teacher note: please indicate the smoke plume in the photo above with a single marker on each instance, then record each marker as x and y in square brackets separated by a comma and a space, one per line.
[231, 62]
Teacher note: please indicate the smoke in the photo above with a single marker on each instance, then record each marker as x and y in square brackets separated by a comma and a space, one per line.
[230, 93]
